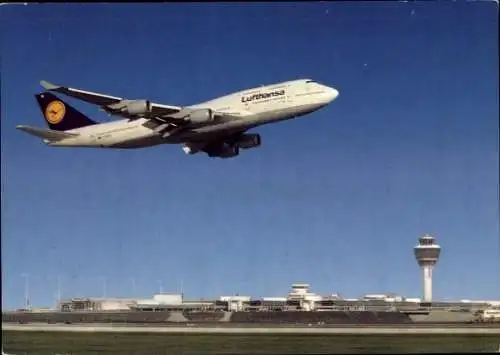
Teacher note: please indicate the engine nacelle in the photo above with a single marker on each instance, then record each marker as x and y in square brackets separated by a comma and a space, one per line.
[138, 107]
[200, 116]
[132, 107]
[247, 141]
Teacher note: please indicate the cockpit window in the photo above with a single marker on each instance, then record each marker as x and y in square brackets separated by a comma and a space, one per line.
[310, 81]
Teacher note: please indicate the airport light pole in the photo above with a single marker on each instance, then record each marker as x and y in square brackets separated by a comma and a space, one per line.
[160, 283]
[133, 285]
[26, 290]
[58, 290]
[104, 287]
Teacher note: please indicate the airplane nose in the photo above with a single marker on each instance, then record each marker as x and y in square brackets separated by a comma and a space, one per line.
[331, 94]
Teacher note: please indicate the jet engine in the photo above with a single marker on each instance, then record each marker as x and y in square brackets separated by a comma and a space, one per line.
[132, 107]
[247, 141]
[138, 107]
[200, 116]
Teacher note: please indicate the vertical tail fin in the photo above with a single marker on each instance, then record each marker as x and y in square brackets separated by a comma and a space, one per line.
[59, 115]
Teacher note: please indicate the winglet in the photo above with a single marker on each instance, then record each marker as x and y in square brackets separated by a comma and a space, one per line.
[48, 86]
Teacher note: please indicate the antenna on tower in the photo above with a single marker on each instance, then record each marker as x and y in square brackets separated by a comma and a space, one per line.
[427, 254]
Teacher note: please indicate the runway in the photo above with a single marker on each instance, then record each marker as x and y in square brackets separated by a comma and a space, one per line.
[107, 328]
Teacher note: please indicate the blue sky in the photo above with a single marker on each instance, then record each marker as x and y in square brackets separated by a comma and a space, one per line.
[337, 198]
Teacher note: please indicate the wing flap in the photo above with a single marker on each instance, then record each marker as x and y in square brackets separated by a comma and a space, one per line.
[46, 133]
[163, 110]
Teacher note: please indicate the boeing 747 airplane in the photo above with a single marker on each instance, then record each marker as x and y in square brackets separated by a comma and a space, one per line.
[217, 127]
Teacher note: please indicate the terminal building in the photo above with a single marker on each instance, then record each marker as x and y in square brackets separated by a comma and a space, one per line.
[300, 298]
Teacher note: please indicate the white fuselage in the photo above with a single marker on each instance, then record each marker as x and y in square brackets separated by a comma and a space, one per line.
[244, 109]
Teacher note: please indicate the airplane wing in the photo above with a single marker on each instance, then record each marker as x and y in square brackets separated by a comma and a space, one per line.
[110, 104]
[164, 119]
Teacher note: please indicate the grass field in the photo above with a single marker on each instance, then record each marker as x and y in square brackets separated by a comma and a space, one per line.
[19, 343]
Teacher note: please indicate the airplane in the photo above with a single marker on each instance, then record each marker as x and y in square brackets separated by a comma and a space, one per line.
[217, 127]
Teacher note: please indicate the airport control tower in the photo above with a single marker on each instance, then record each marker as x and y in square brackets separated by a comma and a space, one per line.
[427, 254]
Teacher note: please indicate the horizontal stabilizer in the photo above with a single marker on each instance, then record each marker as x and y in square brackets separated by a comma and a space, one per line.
[46, 133]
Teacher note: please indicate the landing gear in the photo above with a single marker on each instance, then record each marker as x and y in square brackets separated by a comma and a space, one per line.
[189, 149]
[224, 152]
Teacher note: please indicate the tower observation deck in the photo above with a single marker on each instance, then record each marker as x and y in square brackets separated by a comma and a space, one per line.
[427, 254]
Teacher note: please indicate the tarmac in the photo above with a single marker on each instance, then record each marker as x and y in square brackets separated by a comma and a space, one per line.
[108, 328]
